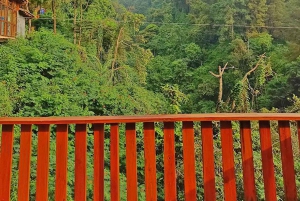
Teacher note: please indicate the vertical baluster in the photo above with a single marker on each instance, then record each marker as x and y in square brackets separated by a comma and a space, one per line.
[189, 161]
[5, 17]
[228, 161]
[6, 161]
[150, 162]
[208, 161]
[267, 160]
[98, 162]
[24, 163]
[61, 162]
[169, 162]
[43, 163]
[1, 14]
[80, 162]
[288, 168]
[114, 163]
[131, 167]
[248, 166]
[298, 126]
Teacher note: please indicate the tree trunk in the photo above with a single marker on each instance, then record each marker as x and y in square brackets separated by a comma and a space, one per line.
[29, 21]
[113, 63]
[220, 77]
[80, 25]
[75, 21]
[29, 26]
[54, 16]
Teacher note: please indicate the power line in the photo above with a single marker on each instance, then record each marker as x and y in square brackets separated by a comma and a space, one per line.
[187, 24]
[229, 25]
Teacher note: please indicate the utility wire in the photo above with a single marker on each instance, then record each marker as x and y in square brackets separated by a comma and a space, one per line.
[187, 24]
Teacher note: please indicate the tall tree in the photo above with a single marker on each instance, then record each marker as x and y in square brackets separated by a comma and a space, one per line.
[258, 13]
[293, 20]
[275, 18]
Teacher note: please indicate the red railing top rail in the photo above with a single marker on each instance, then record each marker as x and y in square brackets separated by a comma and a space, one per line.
[152, 118]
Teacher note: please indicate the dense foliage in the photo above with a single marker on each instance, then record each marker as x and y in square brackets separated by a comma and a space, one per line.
[126, 57]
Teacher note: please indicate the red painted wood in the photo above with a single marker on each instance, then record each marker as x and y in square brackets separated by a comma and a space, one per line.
[150, 168]
[6, 161]
[61, 162]
[131, 166]
[150, 162]
[151, 118]
[98, 162]
[267, 160]
[114, 163]
[80, 162]
[190, 190]
[24, 163]
[228, 161]
[208, 161]
[248, 165]
[43, 163]
[288, 167]
[298, 125]
[169, 162]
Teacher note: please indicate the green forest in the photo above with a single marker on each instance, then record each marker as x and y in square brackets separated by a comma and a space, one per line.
[104, 57]
[138, 57]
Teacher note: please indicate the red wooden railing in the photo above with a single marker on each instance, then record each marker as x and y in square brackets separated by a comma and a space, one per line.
[150, 177]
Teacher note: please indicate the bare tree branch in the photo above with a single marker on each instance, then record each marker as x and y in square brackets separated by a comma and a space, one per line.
[116, 53]
[256, 66]
[217, 76]
[224, 68]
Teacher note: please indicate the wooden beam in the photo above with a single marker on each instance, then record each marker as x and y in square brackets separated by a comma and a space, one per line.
[153, 118]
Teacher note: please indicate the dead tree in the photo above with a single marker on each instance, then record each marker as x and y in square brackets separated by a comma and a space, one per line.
[220, 77]
[244, 82]
[247, 87]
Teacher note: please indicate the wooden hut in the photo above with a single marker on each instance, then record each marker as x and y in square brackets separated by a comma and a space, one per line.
[12, 18]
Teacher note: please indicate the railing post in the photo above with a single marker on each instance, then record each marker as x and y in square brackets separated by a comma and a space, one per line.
[61, 162]
[288, 168]
[208, 161]
[80, 162]
[169, 162]
[298, 128]
[43, 163]
[189, 161]
[114, 163]
[98, 162]
[6, 161]
[150, 162]
[24, 163]
[228, 161]
[267, 160]
[248, 165]
[131, 166]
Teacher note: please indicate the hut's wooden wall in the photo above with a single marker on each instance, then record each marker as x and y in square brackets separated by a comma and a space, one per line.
[8, 19]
